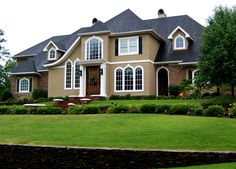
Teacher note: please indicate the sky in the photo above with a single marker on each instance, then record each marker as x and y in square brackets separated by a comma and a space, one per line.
[28, 22]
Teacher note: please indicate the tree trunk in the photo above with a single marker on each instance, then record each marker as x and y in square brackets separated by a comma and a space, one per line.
[218, 91]
[232, 90]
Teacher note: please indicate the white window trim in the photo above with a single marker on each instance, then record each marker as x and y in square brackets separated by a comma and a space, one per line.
[128, 46]
[65, 88]
[176, 48]
[24, 91]
[86, 44]
[52, 49]
[77, 60]
[123, 79]
[193, 75]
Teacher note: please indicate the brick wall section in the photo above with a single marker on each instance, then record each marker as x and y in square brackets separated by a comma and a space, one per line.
[176, 74]
[43, 81]
[38, 157]
[13, 86]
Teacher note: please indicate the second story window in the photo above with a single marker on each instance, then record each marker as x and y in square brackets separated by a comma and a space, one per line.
[179, 42]
[93, 48]
[52, 54]
[129, 46]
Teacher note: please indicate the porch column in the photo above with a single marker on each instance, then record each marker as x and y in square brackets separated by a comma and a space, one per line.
[103, 80]
[82, 88]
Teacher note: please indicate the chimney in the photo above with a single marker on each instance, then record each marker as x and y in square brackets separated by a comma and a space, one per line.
[94, 21]
[161, 13]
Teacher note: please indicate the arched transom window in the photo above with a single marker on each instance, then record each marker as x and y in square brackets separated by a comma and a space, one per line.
[52, 54]
[94, 48]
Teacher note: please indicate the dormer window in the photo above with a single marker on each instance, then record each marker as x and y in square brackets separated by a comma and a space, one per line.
[52, 54]
[179, 42]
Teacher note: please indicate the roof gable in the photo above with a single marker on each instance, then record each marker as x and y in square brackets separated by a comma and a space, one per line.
[182, 30]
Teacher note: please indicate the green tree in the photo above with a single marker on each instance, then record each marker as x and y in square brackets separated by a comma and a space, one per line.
[218, 49]
[5, 74]
[3, 52]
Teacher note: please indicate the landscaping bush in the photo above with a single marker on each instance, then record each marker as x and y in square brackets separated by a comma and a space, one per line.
[174, 90]
[91, 110]
[133, 109]
[197, 111]
[20, 110]
[49, 110]
[33, 110]
[75, 110]
[118, 109]
[180, 109]
[162, 109]
[215, 111]
[39, 93]
[4, 110]
[148, 108]
[224, 101]
[232, 111]
[5, 95]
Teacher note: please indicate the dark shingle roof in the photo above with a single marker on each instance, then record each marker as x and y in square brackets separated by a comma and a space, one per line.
[126, 21]
[165, 26]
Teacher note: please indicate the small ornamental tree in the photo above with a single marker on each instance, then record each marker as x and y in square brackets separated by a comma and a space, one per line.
[217, 62]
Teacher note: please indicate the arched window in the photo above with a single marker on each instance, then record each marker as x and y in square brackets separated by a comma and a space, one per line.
[129, 82]
[94, 48]
[52, 54]
[179, 42]
[77, 75]
[119, 79]
[138, 79]
[24, 85]
[68, 75]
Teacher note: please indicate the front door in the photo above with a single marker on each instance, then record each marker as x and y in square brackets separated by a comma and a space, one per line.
[93, 80]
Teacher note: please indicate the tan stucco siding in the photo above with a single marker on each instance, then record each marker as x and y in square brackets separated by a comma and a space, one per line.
[148, 80]
[56, 86]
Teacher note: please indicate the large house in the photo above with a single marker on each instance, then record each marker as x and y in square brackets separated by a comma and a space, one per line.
[124, 55]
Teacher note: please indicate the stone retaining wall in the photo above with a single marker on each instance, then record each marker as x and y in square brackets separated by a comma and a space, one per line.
[43, 157]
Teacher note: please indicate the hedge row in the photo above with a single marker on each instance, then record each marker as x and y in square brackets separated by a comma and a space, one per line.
[213, 111]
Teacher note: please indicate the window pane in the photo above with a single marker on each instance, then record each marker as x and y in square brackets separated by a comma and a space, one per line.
[128, 79]
[123, 46]
[24, 85]
[133, 45]
[138, 79]
[179, 42]
[119, 79]
[77, 75]
[52, 54]
[68, 75]
[94, 49]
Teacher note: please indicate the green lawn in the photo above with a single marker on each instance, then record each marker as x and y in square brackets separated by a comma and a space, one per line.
[212, 166]
[194, 102]
[142, 131]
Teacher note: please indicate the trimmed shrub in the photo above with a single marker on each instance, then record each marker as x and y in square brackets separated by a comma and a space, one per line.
[49, 110]
[180, 109]
[75, 110]
[148, 108]
[91, 110]
[162, 109]
[6, 95]
[39, 93]
[20, 110]
[232, 111]
[4, 110]
[133, 109]
[198, 111]
[118, 109]
[114, 97]
[174, 90]
[215, 111]
[33, 110]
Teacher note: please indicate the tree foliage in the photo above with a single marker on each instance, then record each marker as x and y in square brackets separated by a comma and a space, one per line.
[218, 49]
[3, 52]
[4, 74]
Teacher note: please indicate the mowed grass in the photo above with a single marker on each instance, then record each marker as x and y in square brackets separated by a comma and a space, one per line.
[211, 166]
[194, 102]
[141, 131]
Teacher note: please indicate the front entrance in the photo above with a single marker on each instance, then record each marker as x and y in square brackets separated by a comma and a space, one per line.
[93, 80]
[162, 82]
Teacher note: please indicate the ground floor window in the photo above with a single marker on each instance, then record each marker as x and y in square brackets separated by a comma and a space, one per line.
[128, 79]
[24, 85]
